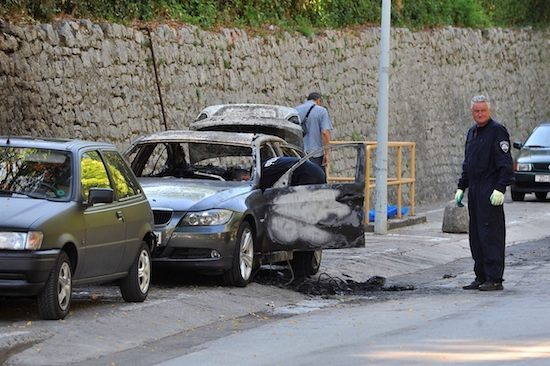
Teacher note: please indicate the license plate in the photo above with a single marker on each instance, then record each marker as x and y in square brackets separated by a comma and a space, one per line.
[159, 237]
[542, 178]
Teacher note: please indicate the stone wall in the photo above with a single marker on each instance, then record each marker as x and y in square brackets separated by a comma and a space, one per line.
[87, 80]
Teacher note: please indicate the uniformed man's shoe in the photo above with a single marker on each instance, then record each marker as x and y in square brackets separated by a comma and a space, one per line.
[472, 286]
[491, 286]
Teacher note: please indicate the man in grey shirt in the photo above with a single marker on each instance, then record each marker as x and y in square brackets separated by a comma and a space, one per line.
[318, 128]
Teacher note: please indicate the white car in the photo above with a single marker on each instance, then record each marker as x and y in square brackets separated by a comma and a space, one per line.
[259, 110]
[252, 118]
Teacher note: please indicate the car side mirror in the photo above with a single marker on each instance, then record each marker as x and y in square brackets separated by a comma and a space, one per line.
[518, 145]
[100, 195]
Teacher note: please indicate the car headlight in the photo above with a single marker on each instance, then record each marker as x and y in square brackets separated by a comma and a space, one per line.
[523, 167]
[21, 241]
[206, 218]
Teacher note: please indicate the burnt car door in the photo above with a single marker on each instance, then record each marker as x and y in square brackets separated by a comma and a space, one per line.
[318, 216]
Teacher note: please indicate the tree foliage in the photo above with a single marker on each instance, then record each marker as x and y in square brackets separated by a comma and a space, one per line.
[518, 12]
[290, 14]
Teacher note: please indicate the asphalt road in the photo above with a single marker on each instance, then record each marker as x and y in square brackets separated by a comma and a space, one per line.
[185, 313]
[435, 324]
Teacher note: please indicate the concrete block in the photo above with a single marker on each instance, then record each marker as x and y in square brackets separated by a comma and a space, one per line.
[455, 219]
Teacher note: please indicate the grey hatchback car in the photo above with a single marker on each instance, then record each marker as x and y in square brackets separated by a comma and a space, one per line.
[72, 213]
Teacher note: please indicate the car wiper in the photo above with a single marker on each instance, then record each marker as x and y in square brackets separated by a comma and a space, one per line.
[35, 196]
[536, 146]
[5, 192]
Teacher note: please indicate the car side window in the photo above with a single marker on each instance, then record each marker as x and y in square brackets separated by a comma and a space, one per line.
[125, 183]
[94, 173]
[288, 151]
[267, 152]
[154, 160]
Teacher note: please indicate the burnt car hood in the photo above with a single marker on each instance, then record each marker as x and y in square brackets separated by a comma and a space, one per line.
[25, 213]
[190, 194]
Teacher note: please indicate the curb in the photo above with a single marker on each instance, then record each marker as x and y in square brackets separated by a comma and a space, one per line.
[15, 342]
[398, 223]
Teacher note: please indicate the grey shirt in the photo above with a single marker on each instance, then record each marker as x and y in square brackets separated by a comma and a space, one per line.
[317, 121]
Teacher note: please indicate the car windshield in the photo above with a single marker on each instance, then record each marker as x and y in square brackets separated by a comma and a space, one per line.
[540, 137]
[36, 173]
[198, 160]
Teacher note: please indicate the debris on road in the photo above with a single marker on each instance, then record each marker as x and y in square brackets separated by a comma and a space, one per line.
[324, 284]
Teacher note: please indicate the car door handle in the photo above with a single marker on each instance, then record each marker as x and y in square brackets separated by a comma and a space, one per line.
[120, 215]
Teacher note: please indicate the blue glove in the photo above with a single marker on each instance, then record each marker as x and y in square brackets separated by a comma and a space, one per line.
[458, 197]
[497, 198]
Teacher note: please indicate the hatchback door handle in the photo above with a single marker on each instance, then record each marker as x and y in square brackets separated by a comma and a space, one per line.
[120, 215]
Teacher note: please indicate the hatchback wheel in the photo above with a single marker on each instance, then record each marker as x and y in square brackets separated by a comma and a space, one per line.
[55, 299]
[135, 286]
[240, 272]
[540, 195]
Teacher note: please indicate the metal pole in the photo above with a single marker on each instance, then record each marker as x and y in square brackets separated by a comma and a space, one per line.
[381, 205]
[148, 30]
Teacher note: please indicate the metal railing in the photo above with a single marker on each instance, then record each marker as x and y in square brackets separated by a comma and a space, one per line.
[398, 180]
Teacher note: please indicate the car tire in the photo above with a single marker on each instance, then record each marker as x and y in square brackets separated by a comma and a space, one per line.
[316, 261]
[55, 299]
[306, 263]
[540, 195]
[242, 269]
[135, 286]
[517, 196]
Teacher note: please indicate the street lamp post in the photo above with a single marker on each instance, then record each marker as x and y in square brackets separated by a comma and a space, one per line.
[381, 205]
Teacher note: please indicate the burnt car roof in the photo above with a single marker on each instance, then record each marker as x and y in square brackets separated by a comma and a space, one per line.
[252, 118]
[244, 139]
[243, 109]
[50, 143]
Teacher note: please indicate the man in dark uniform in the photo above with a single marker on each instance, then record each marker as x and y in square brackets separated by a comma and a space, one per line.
[487, 171]
[307, 173]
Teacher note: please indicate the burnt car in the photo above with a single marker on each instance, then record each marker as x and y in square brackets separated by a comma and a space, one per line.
[532, 165]
[212, 216]
[72, 213]
[244, 109]
[252, 118]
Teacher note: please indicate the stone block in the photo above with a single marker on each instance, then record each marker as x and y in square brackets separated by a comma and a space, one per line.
[455, 219]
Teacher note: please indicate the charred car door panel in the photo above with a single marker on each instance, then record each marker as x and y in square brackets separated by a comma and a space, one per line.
[328, 216]
[318, 216]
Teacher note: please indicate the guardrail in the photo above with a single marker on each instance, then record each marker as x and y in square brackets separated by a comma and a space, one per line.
[398, 180]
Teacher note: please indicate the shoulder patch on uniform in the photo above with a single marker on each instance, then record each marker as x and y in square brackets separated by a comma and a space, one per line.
[504, 146]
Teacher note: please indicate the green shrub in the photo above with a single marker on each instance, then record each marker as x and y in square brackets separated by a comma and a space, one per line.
[468, 13]
[300, 15]
[517, 12]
